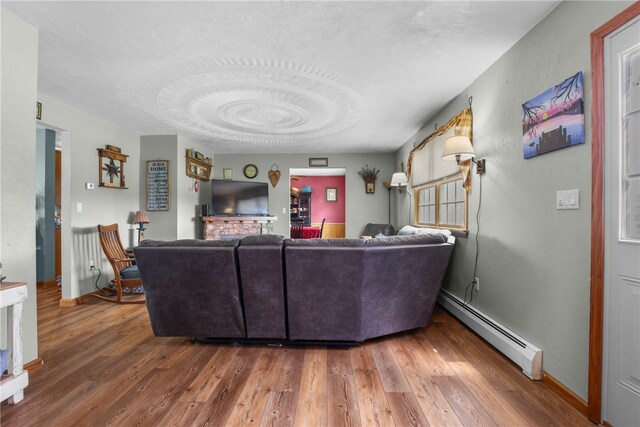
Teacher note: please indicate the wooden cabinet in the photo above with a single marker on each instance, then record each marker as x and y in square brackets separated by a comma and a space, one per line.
[300, 209]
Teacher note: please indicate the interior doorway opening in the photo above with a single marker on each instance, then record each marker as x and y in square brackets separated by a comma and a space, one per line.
[317, 202]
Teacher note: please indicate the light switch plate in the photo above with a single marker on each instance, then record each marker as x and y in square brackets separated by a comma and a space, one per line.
[89, 185]
[568, 199]
[79, 207]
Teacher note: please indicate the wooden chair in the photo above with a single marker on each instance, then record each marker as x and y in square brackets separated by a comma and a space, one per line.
[296, 232]
[322, 227]
[124, 269]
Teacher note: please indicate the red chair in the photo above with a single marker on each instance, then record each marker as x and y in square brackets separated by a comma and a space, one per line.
[296, 232]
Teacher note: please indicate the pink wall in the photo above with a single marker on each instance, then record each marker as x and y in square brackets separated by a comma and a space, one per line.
[334, 212]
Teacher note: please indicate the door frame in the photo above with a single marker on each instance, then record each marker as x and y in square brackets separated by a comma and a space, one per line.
[596, 318]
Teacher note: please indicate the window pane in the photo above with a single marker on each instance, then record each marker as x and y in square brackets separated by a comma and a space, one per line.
[460, 213]
[443, 214]
[432, 195]
[460, 191]
[451, 190]
[443, 193]
[422, 197]
[432, 214]
[422, 212]
[451, 213]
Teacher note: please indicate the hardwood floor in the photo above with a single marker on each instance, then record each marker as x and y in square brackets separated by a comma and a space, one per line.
[103, 366]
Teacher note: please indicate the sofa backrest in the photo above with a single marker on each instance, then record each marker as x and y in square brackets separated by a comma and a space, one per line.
[262, 281]
[192, 287]
[352, 289]
[324, 277]
[401, 281]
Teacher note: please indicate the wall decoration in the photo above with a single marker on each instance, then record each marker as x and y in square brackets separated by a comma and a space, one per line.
[554, 119]
[197, 166]
[370, 175]
[331, 194]
[111, 168]
[38, 110]
[315, 162]
[113, 148]
[250, 171]
[158, 189]
[227, 173]
[274, 175]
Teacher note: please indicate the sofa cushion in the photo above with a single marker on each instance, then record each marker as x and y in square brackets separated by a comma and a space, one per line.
[262, 239]
[325, 243]
[409, 230]
[130, 272]
[375, 229]
[421, 239]
[189, 243]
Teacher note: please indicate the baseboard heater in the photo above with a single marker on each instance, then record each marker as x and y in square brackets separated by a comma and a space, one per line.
[522, 353]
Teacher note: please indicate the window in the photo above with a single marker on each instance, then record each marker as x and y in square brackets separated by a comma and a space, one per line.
[442, 203]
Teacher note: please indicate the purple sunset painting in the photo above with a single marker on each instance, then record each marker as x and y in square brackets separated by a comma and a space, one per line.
[554, 119]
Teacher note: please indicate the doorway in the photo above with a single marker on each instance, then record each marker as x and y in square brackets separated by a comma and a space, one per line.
[614, 375]
[48, 171]
[317, 202]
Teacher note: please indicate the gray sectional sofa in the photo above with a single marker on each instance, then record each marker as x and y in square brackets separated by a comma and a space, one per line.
[269, 287]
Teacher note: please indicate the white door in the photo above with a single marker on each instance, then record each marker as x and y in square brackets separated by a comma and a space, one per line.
[621, 400]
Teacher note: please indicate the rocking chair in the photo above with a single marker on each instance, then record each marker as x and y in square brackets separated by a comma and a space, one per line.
[124, 268]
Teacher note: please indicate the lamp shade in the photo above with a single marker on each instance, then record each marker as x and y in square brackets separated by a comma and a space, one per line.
[399, 179]
[457, 148]
[141, 218]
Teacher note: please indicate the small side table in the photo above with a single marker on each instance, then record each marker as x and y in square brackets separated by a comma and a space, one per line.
[12, 296]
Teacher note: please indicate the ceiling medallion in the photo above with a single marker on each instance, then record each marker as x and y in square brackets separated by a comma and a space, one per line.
[251, 100]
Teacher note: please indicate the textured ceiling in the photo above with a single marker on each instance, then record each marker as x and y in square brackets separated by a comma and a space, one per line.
[271, 76]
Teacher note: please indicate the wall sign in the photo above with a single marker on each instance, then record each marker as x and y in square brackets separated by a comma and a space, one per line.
[158, 190]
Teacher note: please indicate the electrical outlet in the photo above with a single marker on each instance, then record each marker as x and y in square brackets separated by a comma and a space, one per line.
[477, 284]
[91, 264]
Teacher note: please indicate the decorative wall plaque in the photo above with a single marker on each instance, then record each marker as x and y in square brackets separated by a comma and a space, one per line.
[158, 189]
[111, 169]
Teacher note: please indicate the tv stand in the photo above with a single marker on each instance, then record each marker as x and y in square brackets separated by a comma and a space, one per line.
[218, 226]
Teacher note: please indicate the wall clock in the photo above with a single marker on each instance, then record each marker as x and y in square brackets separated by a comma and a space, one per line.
[250, 171]
[111, 168]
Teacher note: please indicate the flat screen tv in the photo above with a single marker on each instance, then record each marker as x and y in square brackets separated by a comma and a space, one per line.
[239, 198]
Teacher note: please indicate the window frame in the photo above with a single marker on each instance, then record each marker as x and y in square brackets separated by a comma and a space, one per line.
[437, 184]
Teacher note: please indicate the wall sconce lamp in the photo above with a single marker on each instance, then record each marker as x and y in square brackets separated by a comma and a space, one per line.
[459, 148]
[141, 218]
[400, 181]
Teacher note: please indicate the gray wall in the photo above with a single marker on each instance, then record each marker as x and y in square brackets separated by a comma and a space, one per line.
[162, 224]
[80, 243]
[19, 59]
[45, 204]
[534, 263]
[181, 221]
[361, 208]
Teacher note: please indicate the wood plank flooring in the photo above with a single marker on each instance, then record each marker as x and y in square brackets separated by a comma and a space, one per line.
[103, 366]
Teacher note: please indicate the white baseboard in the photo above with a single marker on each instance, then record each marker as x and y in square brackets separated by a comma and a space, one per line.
[521, 352]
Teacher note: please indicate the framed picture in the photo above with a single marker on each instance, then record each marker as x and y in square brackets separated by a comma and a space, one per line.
[330, 194]
[370, 187]
[227, 173]
[318, 162]
[158, 187]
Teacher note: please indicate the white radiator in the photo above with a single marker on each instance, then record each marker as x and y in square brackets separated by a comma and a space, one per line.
[522, 353]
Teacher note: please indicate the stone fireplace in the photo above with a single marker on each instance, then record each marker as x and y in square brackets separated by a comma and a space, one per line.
[231, 227]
